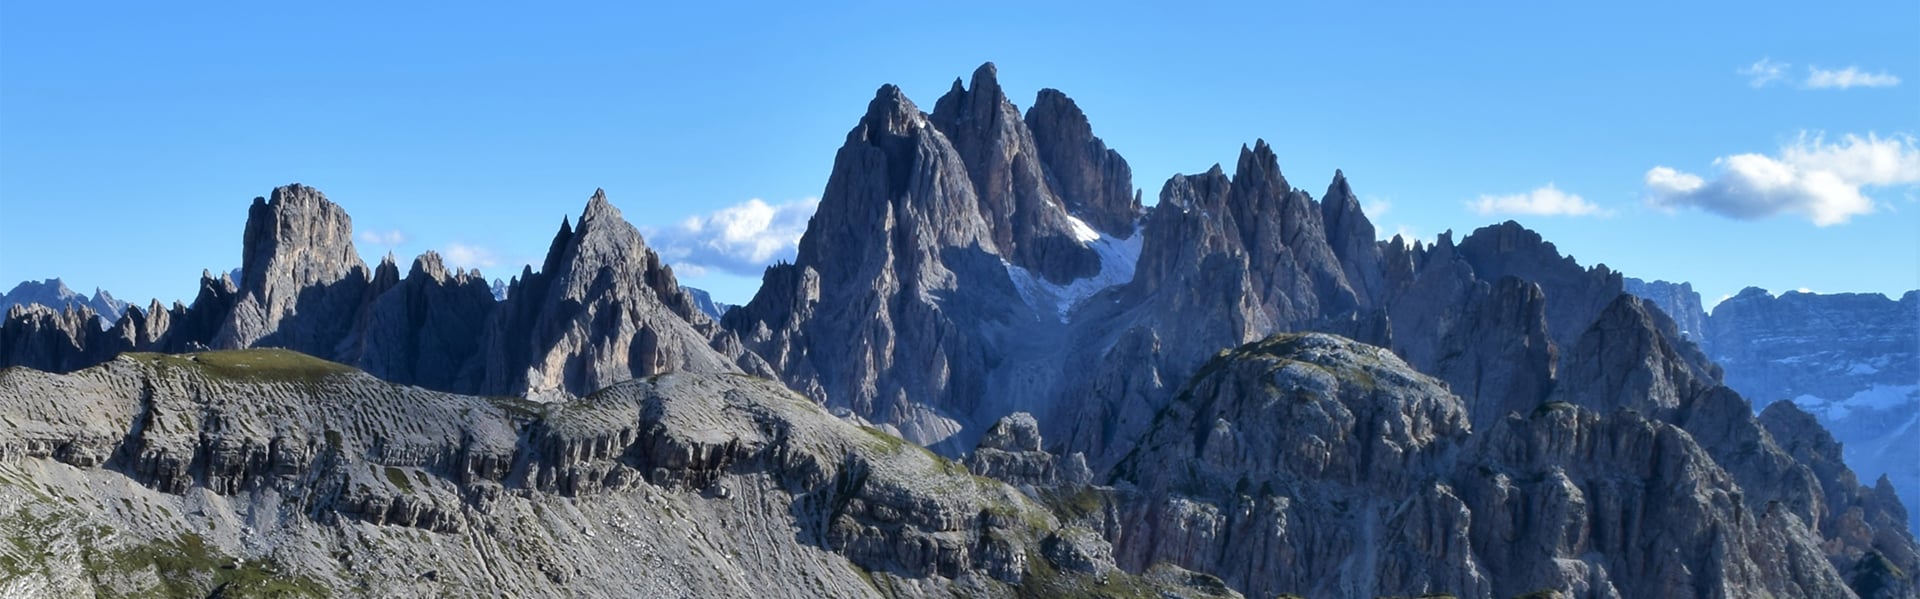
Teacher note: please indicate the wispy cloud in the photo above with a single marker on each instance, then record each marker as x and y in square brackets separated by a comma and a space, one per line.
[1769, 71]
[741, 239]
[1850, 77]
[1764, 72]
[1375, 208]
[387, 239]
[461, 255]
[1812, 178]
[1542, 201]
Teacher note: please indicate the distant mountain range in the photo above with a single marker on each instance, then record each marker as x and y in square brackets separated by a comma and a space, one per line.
[54, 293]
[1852, 360]
[1238, 391]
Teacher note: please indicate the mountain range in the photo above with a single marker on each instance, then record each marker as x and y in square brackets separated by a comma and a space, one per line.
[1235, 391]
[54, 293]
[1849, 359]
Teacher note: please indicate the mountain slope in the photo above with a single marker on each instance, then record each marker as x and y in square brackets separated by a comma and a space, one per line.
[1848, 359]
[159, 473]
[1314, 465]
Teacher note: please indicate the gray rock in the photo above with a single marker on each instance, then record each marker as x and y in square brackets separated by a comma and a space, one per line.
[1094, 182]
[685, 484]
[1027, 221]
[53, 293]
[1315, 465]
[303, 279]
[1678, 300]
[603, 309]
[704, 301]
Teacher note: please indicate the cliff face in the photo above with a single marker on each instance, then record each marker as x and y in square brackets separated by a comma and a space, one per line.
[1848, 359]
[1481, 418]
[324, 480]
[1318, 466]
[603, 309]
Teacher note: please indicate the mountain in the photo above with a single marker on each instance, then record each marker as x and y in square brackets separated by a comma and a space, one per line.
[704, 301]
[1316, 466]
[1678, 300]
[53, 293]
[602, 309]
[1237, 390]
[271, 473]
[1846, 358]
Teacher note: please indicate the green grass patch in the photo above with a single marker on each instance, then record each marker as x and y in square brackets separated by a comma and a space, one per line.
[187, 567]
[254, 365]
[399, 479]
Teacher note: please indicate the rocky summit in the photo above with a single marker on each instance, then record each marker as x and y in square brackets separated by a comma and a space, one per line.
[990, 370]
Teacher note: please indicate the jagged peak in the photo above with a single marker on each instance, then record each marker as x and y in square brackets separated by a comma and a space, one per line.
[1339, 189]
[986, 79]
[428, 265]
[1259, 166]
[295, 192]
[889, 113]
[598, 208]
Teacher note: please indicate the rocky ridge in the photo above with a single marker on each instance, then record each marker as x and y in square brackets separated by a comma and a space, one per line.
[54, 294]
[1849, 359]
[955, 275]
[283, 473]
[602, 309]
[1317, 466]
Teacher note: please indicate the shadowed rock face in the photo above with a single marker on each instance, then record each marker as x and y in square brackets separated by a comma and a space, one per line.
[1846, 358]
[53, 293]
[917, 288]
[1315, 465]
[685, 484]
[1512, 422]
[301, 277]
[1094, 182]
[603, 309]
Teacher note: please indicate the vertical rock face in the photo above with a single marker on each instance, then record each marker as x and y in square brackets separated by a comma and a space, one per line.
[423, 329]
[1093, 181]
[301, 276]
[1849, 359]
[901, 298]
[1352, 238]
[603, 309]
[1313, 465]
[704, 301]
[1679, 301]
[1027, 220]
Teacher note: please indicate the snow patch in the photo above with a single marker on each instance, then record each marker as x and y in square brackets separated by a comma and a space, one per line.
[1083, 232]
[1873, 399]
[1118, 257]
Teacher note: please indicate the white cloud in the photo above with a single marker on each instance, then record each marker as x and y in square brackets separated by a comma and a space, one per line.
[1812, 178]
[460, 255]
[1543, 201]
[1376, 208]
[1819, 78]
[741, 239]
[1407, 234]
[388, 239]
[1764, 72]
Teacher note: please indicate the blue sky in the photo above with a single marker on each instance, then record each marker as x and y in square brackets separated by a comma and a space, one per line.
[132, 136]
